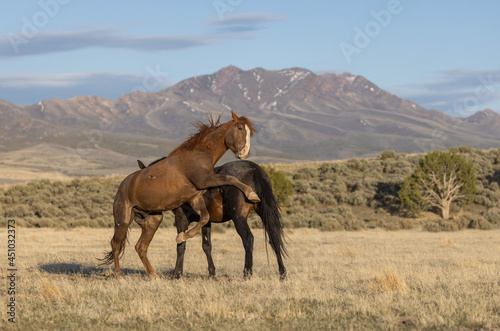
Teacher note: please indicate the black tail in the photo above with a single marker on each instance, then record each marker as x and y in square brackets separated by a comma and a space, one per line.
[269, 211]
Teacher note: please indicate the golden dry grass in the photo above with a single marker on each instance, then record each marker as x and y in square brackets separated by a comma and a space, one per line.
[388, 281]
[348, 251]
[336, 280]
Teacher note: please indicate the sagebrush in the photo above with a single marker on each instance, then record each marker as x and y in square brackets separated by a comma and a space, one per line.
[337, 195]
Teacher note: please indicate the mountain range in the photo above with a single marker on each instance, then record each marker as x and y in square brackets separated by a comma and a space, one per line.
[299, 115]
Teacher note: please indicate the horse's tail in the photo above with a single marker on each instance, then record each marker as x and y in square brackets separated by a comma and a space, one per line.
[121, 231]
[270, 212]
[108, 257]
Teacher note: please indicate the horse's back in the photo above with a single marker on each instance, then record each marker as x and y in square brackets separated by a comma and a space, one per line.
[151, 188]
[246, 171]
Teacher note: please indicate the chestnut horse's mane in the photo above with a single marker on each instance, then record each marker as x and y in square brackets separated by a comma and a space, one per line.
[196, 138]
[204, 129]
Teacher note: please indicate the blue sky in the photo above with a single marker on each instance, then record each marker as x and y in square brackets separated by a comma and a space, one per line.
[441, 54]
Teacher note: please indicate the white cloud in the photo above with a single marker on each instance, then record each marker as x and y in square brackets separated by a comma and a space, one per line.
[38, 80]
[244, 23]
[247, 19]
[47, 42]
[22, 43]
[31, 88]
[456, 92]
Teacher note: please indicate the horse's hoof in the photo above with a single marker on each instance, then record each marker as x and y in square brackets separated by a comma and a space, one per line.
[112, 276]
[115, 277]
[253, 197]
[181, 237]
[154, 277]
[247, 274]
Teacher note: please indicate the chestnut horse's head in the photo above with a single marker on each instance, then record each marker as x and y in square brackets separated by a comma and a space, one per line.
[238, 136]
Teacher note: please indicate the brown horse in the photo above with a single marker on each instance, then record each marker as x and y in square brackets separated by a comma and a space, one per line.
[183, 176]
[228, 203]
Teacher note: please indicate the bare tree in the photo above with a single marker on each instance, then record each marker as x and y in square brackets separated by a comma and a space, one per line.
[441, 192]
[441, 178]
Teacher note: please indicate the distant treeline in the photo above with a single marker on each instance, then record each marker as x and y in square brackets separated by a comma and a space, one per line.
[339, 195]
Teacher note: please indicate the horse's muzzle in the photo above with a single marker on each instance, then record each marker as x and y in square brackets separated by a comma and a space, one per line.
[242, 154]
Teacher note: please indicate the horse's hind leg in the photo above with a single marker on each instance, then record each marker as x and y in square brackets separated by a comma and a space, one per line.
[149, 227]
[207, 247]
[123, 218]
[281, 267]
[241, 225]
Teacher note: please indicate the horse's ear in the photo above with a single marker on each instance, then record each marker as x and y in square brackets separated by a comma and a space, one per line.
[235, 117]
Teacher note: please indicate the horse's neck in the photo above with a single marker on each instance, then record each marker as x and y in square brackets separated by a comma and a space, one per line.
[215, 142]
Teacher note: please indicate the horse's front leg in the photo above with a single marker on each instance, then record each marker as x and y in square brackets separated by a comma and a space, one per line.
[206, 179]
[198, 205]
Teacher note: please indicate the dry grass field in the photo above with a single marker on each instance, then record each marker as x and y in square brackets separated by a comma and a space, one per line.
[336, 280]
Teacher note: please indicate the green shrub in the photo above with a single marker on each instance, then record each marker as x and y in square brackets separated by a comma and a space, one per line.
[486, 197]
[457, 223]
[410, 196]
[44, 222]
[357, 164]
[282, 186]
[340, 218]
[105, 222]
[46, 203]
[356, 199]
[325, 198]
[325, 168]
[392, 223]
[462, 150]
[478, 222]
[306, 200]
[492, 215]
[471, 221]
[331, 219]
[441, 225]
[18, 211]
[387, 154]
[304, 173]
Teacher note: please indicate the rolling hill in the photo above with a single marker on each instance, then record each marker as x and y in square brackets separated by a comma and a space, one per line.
[300, 116]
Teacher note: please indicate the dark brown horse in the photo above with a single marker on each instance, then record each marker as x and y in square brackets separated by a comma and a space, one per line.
[181, 177]
[228, 203]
